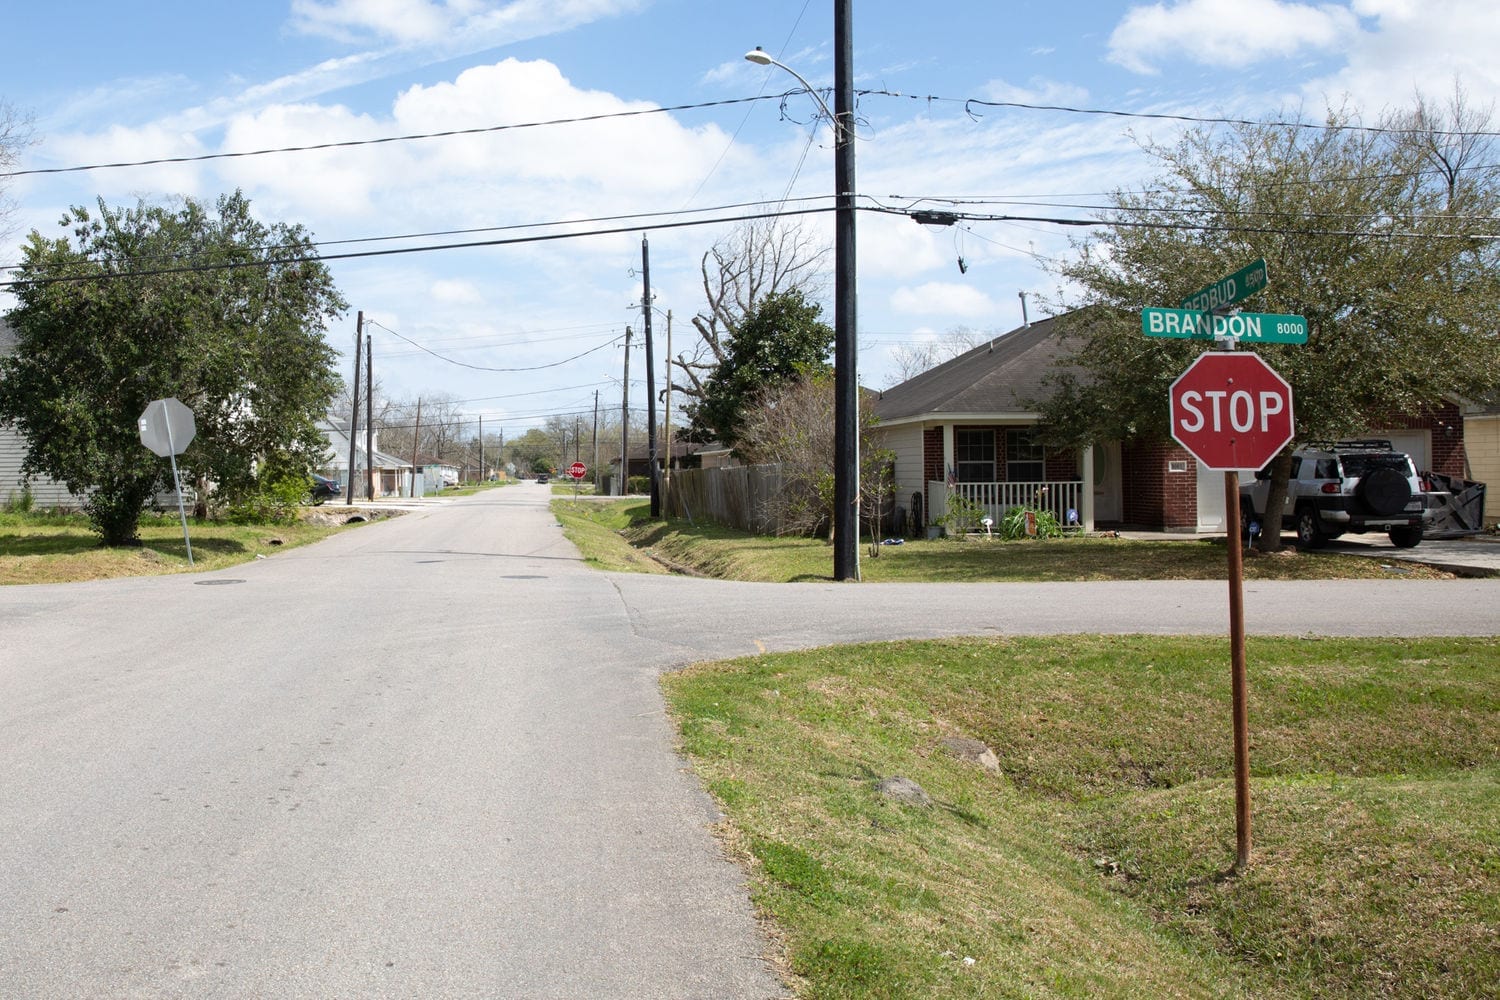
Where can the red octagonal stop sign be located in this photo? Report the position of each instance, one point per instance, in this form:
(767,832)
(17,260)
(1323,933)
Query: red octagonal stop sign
(1231,410)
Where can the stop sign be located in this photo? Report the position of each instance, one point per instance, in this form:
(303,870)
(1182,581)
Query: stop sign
(1231,410)
(167,426)
(576,470)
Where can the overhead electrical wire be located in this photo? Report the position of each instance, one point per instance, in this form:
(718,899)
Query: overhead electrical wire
(969,103)
(351,143)
(429,248)
(485,368)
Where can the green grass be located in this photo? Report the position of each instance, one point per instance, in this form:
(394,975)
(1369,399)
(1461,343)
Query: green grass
(42,547)
(1096,863)
(714,550)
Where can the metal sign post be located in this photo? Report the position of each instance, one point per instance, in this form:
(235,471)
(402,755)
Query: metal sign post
(167,428)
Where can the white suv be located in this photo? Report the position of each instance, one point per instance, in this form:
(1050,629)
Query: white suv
(1353,486)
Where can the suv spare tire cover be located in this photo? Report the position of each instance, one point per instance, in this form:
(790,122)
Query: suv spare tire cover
(1385,491)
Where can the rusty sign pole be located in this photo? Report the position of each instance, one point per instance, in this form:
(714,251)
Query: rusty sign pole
(1237,683)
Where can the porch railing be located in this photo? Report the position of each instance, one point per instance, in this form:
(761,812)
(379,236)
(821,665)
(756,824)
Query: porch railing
(1060,497)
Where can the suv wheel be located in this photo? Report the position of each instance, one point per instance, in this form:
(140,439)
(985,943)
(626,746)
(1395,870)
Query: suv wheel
(1407,536)
(1310,533)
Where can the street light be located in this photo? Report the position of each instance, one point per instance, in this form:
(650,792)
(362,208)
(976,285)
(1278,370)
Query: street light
(845,341)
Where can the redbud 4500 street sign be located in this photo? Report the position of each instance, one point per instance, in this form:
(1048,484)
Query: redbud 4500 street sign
(1231,410)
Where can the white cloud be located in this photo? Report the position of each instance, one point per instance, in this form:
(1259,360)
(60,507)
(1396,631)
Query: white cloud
(1231,33)
(1408,45)
(472,24)
(1037,91)
(462,293)
(944,298)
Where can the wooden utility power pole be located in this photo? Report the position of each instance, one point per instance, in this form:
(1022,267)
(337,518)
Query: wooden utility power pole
(359,333)
(625,419)
(646,308)
(369,420)
(416,436)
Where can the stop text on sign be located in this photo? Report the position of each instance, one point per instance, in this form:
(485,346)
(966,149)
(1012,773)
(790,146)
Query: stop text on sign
(1237,410)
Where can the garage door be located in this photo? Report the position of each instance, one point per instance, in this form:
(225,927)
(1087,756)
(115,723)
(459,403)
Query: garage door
(1417,444)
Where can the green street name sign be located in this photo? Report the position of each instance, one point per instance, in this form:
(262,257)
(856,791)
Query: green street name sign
(1256,328)
(1241,284)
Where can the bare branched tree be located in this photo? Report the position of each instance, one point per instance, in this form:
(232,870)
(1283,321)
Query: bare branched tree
(758,259)
(792,427)
(1454,141)
(911,360)
(15,135)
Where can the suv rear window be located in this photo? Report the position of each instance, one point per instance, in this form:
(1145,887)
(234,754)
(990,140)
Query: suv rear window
(1362,465)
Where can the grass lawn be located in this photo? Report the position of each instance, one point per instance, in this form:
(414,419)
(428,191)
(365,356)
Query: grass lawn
(617,534)
(51,548)
(1095,861)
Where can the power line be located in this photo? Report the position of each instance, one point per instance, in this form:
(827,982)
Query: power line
(351,143)
(304,259)
(633,216)
(969,104)
(484,368)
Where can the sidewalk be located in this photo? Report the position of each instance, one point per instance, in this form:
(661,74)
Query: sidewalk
(1471,555)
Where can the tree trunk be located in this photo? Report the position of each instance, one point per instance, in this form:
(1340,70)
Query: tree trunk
(1270,525)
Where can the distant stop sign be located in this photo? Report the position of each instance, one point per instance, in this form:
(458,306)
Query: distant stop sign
(1231,410)
(577,470)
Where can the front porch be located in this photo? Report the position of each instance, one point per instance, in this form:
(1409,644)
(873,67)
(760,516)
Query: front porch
(1066,500)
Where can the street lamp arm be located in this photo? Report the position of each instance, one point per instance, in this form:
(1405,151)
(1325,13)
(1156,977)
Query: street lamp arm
(761,57)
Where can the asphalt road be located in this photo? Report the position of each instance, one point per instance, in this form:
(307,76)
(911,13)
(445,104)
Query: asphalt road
(429,758)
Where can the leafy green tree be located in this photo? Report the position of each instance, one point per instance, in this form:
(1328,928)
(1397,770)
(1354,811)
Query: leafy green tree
(202,302)
(534,451)
(780,341)
(1382,238)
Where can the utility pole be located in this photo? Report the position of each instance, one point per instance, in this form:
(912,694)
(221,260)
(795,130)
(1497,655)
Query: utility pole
(359,333)
(369,419)
(651,467)
(595,466)
(625,419)
(666,486)
(416,435)
(482,476)
(846,341)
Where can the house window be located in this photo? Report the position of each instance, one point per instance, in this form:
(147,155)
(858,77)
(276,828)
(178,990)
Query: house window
(974,448)
(1025,457)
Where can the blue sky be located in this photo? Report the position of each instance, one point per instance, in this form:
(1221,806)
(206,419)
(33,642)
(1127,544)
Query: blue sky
(111,82)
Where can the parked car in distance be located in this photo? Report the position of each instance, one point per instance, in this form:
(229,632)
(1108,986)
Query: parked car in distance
(542,477)
(323,489)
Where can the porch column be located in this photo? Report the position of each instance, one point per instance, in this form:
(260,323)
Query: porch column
(948,461)
(1088,488)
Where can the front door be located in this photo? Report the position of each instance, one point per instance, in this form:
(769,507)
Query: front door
(1107,505)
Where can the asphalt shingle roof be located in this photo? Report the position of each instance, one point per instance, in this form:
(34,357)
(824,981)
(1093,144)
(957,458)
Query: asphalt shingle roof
(1002,376)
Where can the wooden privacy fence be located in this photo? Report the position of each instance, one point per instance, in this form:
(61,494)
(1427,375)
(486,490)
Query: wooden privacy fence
(733,496)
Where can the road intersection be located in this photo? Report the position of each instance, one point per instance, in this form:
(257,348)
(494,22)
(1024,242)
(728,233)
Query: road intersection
(429,757)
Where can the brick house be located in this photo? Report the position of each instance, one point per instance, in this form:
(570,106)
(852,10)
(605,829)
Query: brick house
(967,428)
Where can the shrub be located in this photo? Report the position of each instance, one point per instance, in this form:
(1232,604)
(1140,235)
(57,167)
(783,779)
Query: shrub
(21,503)
(964,515)
(1013,524)
(274,503)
